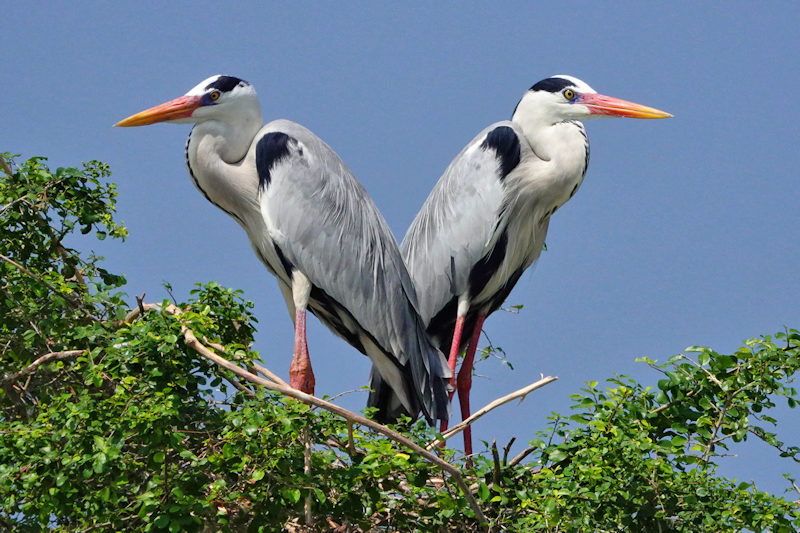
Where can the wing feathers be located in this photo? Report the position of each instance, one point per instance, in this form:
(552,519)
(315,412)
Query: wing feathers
(327,226)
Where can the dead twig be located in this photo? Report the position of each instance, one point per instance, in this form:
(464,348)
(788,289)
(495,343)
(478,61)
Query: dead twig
(521,455)
(506,449)
(521,393)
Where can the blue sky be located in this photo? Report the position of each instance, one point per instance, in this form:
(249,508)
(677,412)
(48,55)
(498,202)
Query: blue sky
(683,232)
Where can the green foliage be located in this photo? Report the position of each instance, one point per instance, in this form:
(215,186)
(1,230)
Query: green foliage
(56,291)
(639,459)
(127,428)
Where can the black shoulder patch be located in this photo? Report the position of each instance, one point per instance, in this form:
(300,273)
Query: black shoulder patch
(271,148)
(225,83)
(287,265)
(484,269)
(504,141)
(552,85)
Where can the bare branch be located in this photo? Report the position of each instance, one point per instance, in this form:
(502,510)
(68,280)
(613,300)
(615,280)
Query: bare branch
(521,455)
(192,341)
(46,358)
(28,272)
(269,374)
(521,393)
(71,299)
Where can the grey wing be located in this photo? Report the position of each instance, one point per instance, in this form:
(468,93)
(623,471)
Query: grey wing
(461,220)
(324,224)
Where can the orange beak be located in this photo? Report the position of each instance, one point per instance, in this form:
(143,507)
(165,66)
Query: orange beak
(599,104)
(181,107)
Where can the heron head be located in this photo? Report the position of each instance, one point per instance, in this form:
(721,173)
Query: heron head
(213,98)
(563,97)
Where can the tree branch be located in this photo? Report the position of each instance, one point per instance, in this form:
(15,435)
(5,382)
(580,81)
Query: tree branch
(192,342)
(521,393)
(46,358)
(521,455)
(69,298)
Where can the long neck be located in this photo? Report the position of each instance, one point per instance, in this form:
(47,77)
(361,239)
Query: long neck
(564,144)
(555,173)
(217,157)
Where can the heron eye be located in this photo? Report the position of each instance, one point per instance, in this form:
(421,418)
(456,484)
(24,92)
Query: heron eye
(214,96)
(569,94)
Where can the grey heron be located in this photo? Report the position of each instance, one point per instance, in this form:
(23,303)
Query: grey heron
(314,227)
(486,219)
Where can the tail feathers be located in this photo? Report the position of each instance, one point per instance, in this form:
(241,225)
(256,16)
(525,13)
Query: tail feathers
(381,395)
(426,380)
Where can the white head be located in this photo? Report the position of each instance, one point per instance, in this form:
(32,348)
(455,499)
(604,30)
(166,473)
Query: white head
(219,97)
(561,98)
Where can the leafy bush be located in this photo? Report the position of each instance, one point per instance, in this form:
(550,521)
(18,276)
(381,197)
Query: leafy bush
(110,420)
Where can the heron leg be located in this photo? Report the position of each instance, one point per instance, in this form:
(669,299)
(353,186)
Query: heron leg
(301,376)
(451,361)
(465,381)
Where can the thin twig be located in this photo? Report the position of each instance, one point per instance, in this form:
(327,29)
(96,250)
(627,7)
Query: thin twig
(720,420)
(670,404)
(711,376)
(521,393)
(241,387)
(29,273)
(521,455)
(506,449)
(345,392)
(69,298)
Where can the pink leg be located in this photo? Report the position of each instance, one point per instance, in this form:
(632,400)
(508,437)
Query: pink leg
(457,333)
(301,377)
(465,382)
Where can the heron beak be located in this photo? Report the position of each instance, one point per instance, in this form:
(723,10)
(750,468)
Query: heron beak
(181,107)
(599,104)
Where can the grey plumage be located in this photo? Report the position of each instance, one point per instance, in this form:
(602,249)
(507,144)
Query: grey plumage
(315,228)
(362,290)
(486,219)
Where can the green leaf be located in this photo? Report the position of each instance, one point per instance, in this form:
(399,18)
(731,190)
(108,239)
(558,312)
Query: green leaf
(483,491)
(291,495)
(557,455)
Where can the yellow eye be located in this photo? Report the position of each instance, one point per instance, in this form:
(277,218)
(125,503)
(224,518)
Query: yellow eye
(214,96)
(569,94)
